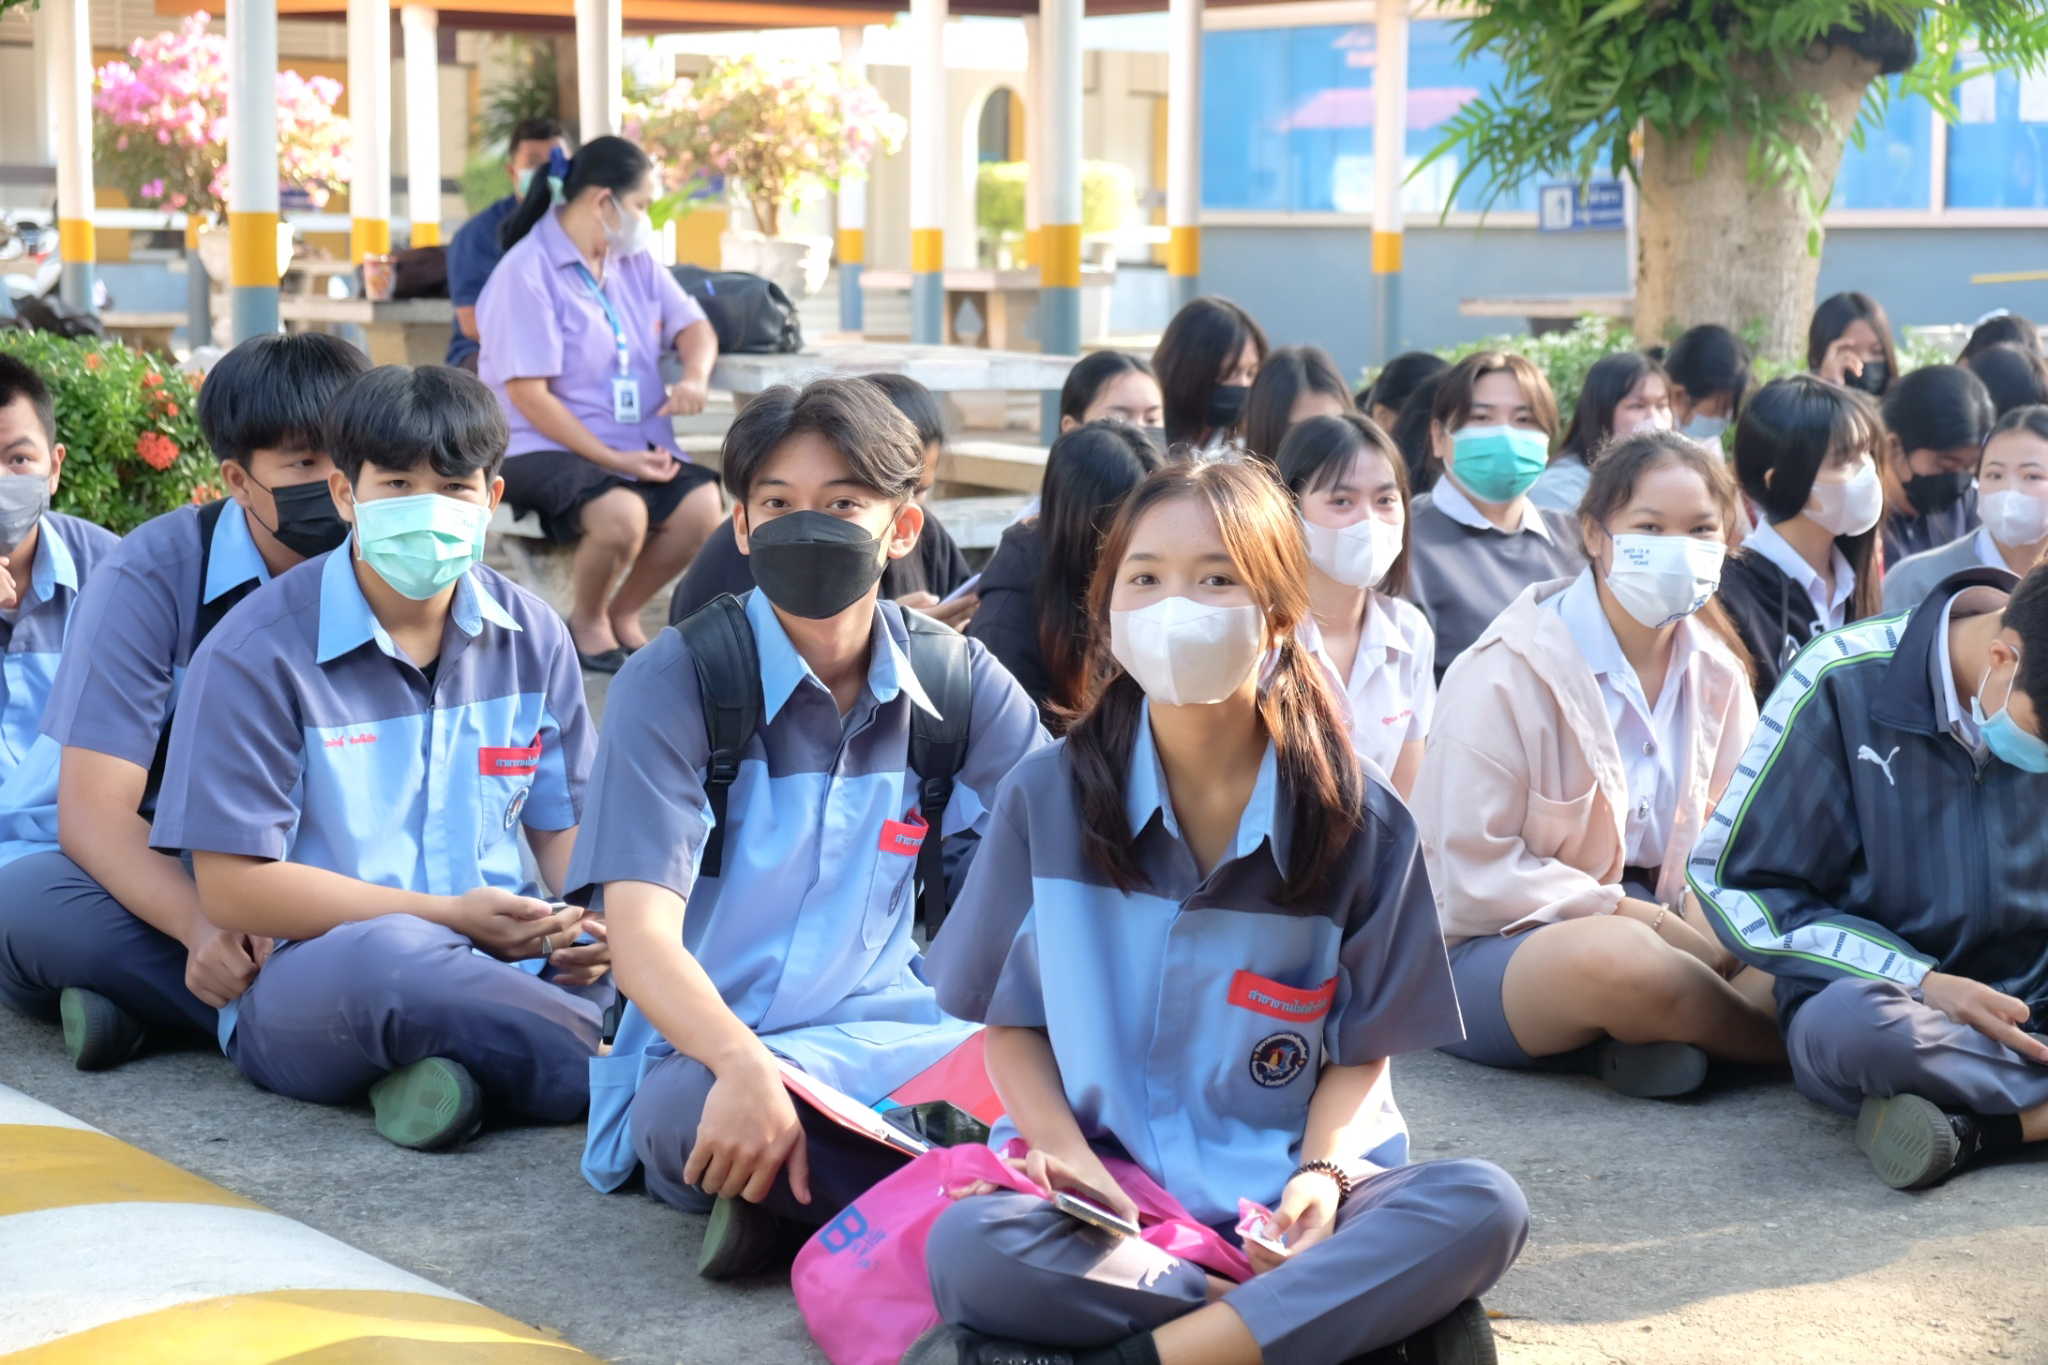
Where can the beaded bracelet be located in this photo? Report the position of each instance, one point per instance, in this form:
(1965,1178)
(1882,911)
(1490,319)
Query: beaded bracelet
(1332,1170)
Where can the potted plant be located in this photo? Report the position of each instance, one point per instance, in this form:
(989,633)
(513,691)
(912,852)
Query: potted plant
(774,132)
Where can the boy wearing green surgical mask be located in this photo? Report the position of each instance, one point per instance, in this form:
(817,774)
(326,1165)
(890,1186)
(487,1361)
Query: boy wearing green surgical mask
(1476,541)
(401,713)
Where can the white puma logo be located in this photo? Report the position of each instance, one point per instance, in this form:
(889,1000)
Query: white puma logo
(1869,755)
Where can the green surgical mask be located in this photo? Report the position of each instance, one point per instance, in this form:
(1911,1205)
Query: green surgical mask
(420,544)
(1498,464)
(524,181)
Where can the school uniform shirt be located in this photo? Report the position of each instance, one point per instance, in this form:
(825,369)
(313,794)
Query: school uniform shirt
(1907,583)
(806,932)
(131,640)
(1392,690)
(472,255)
(1829,605)
(936,566)
(1562,485)
(1778,602)
(68,551)
(540,319)
(1912,533)
(318,742)
(1191,1018)
(1463,570)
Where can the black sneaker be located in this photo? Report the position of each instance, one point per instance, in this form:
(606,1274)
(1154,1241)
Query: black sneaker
(741,1239)
(428,1106)
(98,1033)
(950,1345)
(1464,1337)
(1650,1071)
(1913,1143)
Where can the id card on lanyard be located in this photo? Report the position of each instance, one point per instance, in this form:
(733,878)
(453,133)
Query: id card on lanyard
(625,388)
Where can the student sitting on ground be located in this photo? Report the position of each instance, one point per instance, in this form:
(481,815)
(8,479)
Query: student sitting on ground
(1937,418)
(1351,488)
(1624,393)
(1880,852)
(95,927)
(1578,748)
(1034,613)
(1710,379)
(2012,488)
(358,748)
(1207,358)
(2014,376)
(1383,399)
(1112,386)
(923,580)
(1477,540)
(1295,383)
(1196,932)
(761,905)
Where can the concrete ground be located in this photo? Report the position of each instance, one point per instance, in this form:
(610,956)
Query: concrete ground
(1740,1227)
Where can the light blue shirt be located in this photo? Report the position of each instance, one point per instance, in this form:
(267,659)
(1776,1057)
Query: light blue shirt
(67,551)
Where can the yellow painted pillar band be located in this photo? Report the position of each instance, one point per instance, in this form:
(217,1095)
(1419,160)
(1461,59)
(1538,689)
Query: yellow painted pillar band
(426,234)
(1184,251)
(252,250)
(194,225)
(853,246)
(1061,266)
(927,250)
(368,237)
(1386,253)
(1032,247)
(75,240)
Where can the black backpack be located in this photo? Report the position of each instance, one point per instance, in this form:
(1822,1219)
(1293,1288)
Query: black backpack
(729,680)
(210,614)
(751,315)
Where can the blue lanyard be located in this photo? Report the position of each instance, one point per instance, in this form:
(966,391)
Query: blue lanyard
(611,315)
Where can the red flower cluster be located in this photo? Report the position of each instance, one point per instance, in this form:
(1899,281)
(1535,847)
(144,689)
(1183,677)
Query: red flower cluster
(156,450)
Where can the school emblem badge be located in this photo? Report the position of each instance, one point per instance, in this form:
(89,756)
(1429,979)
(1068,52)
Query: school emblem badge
(1278,1058)
(517,804)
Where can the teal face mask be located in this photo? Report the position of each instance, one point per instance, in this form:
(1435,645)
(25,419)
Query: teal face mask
(420,544)
(523,181)
(2003,735)
(1498,464)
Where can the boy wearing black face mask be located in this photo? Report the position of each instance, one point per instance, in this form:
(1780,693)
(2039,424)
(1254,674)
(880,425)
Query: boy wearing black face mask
(797,944)
(95,929)
(1938,417)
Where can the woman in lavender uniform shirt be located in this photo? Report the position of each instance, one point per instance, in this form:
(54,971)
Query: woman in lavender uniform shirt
(573,323)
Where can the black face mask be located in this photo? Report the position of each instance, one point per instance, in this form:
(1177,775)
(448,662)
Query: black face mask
(812,564)
(1157,436)
(1933,493)
(307,523)
(1873,378)
(1226,401)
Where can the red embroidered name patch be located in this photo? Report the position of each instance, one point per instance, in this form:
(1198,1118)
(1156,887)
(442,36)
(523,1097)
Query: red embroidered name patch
(509,762)
(905,835)
(1255,993)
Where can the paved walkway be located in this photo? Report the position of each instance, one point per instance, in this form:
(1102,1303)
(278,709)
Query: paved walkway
(1738,1228)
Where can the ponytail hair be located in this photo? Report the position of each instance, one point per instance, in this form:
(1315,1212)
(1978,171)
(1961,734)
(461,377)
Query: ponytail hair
(1320,778)
(605,163)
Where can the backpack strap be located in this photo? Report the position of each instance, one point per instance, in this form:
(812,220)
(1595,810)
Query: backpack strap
(728,668)
(209,615)
(938,745)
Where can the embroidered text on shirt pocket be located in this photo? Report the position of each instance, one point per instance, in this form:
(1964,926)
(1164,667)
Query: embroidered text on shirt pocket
(504,781)
(895,866)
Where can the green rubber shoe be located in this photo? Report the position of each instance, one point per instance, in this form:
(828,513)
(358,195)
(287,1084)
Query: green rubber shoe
(98,1033)
(741,1239)
(1911,1143)
(429,1106)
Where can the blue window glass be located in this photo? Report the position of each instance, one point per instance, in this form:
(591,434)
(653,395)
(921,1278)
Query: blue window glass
(1998,153)
(1896,163)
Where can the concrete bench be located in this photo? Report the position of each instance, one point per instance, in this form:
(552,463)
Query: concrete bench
(1550,312)
(978,523)
(1010,467)
(145,331)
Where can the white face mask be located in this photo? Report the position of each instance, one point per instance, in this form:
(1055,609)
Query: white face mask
(1706,430)
(1186,654)
(2013,517)
(1358,555)
(1849,509)
(1661,579)
(633,235)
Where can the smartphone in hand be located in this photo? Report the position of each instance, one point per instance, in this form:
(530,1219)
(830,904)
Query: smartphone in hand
(1093,1214)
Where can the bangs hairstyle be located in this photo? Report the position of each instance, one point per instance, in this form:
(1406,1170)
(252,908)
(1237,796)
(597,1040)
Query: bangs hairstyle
(1288,373)
(2026,615)
(1938,407)
(1088,473)
(1093,373)
(1203,339)
(1613,484)
(1612,378)
(1319,453)
(1790,429)
(18,380)
(916,402)
(1832,319)
(403,416)
(1709,359)
(878,443)
(1453,406)
(2014,376)
(271,393)
(2006,329)
(1320,779)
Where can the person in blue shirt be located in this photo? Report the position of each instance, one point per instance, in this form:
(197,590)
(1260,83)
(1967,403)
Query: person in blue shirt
(396,715)
(95,928)
(475,250)
(800,948)
(1196,931)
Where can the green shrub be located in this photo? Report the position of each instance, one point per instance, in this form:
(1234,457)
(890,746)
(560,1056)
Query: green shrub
(484,183)
(130,429)
(1108,194)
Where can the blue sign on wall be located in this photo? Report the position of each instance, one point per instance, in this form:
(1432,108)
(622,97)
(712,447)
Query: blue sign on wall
(1596,207)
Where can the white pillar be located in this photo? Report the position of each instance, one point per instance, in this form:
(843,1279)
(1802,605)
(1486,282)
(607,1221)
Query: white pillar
(928,128)
(71,93)
(421,26)
(1034,136)
(1183,151)
(1059,271)
(43,49)
(600,67)
(252,158)
(852,206)
(1389,159)
(369,116)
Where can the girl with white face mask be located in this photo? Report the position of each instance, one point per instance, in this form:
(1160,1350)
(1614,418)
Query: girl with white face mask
(1805,453)
(1351,488)
(2012,500)
(1579,746)
(1198,892)
(1624,393)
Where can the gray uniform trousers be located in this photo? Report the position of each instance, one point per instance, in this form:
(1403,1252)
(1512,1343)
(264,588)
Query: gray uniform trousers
(1411,1244)
(327,1016)
(59,928)
(1858,1038)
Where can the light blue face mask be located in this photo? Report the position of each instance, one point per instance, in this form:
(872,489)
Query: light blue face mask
(523,181)
(2003,735)
(1704,429)
(420,544)
(1498,464)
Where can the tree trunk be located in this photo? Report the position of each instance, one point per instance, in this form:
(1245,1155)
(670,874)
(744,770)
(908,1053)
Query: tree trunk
(1714,246)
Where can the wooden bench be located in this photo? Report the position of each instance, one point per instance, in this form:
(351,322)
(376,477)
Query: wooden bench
(403,332)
